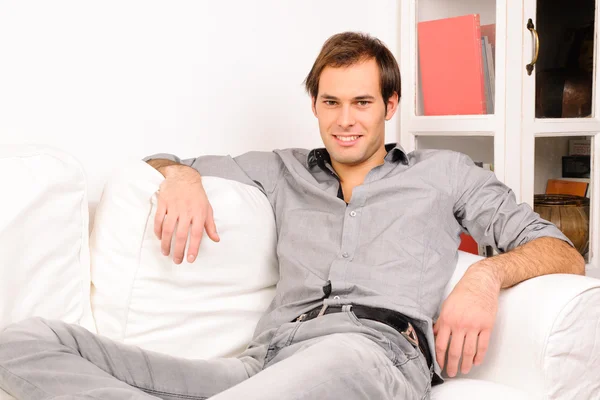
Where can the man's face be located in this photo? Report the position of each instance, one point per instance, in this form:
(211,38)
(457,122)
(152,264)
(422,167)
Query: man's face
(352,113)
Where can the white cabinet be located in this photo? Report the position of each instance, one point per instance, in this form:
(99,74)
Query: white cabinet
(526,135)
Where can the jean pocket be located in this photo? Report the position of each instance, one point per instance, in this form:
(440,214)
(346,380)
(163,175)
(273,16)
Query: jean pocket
(413,362)
(281,338)
(368,328)
(275,344)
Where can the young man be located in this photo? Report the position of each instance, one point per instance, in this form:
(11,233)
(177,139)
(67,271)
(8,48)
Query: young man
(368,239)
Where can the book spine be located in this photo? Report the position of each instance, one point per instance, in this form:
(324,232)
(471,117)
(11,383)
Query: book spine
(481,79)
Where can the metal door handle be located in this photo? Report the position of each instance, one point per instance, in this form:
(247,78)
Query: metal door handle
(529,66)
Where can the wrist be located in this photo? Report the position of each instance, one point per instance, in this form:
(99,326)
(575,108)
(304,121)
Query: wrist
(181,173)
(489,269)
(161,164)
(169,170)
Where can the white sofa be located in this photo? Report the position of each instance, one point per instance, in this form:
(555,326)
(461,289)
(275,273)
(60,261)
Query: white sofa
(545,344)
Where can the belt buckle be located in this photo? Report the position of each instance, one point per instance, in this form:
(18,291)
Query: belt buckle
(411,335)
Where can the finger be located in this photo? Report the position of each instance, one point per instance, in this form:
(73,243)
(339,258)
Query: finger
(167,233)
(195,239)
(469,351)
(441,344)
(454,353)
(482,346)
(209,225)
(159,217)
(181,236)
(436,328)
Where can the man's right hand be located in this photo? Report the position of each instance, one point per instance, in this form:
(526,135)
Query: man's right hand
(182,207)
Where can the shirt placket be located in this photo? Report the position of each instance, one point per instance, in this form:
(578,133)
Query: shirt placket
(340,287)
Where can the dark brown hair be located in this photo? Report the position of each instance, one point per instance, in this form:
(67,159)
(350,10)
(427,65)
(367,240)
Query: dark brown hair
(349,48)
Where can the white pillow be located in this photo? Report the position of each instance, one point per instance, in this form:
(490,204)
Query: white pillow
(44,253)
(201,310)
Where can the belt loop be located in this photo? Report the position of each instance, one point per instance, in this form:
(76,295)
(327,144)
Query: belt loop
(322,310)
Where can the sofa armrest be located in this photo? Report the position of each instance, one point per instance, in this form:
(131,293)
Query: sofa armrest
(545,338)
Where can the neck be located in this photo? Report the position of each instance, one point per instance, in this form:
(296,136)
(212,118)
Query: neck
(352,175)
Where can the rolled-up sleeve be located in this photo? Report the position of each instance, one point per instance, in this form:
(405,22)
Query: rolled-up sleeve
(488,210)
(256,168)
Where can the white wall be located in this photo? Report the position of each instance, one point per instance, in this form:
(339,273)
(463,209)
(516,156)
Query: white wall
(436,9)
(479,148)
(115,80)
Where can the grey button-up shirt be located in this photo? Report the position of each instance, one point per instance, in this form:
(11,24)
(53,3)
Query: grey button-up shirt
(394,245)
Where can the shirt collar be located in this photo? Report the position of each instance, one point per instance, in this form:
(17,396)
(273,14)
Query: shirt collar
(321,157)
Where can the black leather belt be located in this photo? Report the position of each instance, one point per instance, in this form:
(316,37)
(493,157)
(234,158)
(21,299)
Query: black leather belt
(391,318)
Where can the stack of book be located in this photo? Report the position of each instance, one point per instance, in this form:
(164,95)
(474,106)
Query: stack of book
(456,65)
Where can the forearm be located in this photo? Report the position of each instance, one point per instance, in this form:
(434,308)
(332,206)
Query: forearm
(541,256)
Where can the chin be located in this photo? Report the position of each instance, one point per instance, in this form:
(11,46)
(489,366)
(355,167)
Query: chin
(347,159)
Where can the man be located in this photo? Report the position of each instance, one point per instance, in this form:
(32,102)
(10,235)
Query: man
(367,240)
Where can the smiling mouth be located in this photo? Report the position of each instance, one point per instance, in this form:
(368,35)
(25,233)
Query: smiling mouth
(347,138)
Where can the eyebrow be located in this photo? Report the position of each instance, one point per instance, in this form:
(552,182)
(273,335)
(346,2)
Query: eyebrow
(357,98)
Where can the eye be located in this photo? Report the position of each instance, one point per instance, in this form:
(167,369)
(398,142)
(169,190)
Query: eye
(330,102)
(363,103)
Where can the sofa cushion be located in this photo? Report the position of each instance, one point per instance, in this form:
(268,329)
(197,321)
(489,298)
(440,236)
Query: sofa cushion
(205,309)
(44,257)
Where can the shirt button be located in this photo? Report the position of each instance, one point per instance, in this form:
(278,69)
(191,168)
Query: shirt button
(353,213)
(345,255)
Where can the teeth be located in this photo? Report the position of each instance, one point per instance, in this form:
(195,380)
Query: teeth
(347,138)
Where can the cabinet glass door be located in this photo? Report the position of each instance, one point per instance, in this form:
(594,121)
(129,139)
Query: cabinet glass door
(563,40)
(560,146)
(563,187)
(456,57)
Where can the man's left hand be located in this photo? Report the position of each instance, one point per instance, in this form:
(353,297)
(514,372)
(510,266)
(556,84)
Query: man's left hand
(467,318)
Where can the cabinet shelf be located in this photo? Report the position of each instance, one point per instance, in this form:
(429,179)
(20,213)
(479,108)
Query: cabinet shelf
(458,125)
(565,127)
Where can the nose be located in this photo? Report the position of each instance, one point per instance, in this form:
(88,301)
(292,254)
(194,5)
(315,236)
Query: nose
(346,117)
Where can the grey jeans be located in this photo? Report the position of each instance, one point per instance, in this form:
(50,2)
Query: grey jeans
(335,356)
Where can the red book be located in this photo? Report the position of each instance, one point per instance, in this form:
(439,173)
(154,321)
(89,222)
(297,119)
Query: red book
(468,244)
(451,66)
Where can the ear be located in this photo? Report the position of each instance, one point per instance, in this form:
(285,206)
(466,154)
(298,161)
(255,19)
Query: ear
(313,103)
(392,106)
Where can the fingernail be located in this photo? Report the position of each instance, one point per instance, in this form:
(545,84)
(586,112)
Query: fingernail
(191,258)
(165,253)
